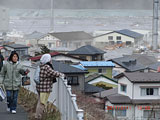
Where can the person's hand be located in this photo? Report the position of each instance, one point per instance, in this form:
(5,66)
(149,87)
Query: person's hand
(62,75)
(27,71)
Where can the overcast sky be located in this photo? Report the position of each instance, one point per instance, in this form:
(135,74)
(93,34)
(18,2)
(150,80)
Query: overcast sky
(79,4)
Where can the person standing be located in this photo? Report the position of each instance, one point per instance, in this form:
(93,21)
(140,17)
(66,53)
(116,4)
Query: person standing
(11,74)
(44,88)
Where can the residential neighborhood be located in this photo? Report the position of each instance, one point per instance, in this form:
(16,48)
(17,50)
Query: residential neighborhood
(102,64)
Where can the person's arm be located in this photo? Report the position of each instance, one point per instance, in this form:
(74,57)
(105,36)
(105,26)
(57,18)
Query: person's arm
(52,73)
(3,73)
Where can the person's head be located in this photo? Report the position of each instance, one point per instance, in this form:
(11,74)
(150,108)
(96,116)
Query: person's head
(45,58)
(14,57)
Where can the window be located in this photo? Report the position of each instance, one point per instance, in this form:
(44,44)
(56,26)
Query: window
(111,42)
(73,80)
(102,70)
(121,113)
(119,42)
(118,37)
(49,45)
(99,70)
(151,114)
(110,37)
(123,88)
(149,91)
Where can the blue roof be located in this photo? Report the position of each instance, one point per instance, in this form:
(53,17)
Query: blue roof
(79,67)
(97,63)
(130,33)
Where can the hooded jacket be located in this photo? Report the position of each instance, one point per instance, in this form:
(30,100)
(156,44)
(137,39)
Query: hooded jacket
(11,75)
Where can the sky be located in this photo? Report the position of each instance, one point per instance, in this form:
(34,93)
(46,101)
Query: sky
(79,4)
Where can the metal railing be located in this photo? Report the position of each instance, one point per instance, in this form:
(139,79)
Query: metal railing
(61,97)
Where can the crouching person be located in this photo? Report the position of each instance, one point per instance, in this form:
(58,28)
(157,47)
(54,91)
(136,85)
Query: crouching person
(44,87)
(11,78)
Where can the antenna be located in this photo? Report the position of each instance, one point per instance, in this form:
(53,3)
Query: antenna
(155,25)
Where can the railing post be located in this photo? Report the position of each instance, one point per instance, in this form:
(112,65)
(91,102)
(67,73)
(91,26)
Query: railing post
(80,114)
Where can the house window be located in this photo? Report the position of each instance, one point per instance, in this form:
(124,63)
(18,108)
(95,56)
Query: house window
(120,113)
(123,88)
(73,80)
(49,45)
(110,37)
(111,42)
(102,70)
(99,70)
(148,114)
(149,91)
(118,37)
(119,42)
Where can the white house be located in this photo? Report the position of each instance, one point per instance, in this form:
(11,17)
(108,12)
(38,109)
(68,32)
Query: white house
(127,37)
(137,96)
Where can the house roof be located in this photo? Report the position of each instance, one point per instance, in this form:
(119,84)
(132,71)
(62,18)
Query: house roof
(130,33)
(92,89)
(97,75)
(36,58)
(105,93)
(70,36)
(141,77)
(17,46)
(119,99)
(126,32)
(65,68)
(97,64)
(34,35)
(154,66)
(134,62)
(87,50)
(79,67)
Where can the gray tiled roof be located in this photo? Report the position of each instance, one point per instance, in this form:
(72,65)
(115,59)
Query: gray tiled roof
(87,50)
(119,99)
(142,77)
(154,66)
(34,35)
(135,62)
(17,46)
(106,93)
(130,33)
(65,68)
(69,36)
(92,89)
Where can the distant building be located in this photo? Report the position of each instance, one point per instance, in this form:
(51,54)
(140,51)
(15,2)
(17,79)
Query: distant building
(4,19)
(89,53)
(127,37)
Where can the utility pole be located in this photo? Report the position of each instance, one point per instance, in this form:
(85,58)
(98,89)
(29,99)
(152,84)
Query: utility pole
(52,17)
(155,25)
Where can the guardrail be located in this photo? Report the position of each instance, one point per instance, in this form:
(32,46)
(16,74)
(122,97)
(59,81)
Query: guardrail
(61,97)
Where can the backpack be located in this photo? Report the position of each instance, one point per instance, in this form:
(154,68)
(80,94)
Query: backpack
(36,75)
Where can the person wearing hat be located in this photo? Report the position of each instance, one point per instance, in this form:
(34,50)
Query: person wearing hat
(44,88)
(11,78)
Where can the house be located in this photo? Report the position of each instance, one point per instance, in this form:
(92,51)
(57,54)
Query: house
(125,36)
(31,39)
(88,52)
(22,50)
(133,63)
(104,67)
(97,79)
(73,39)
(75,77)
(60,57)
(137,96)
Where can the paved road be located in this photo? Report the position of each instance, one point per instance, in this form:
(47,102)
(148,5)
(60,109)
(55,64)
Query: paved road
(4,115)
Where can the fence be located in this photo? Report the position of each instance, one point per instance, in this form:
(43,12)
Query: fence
(61,97)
